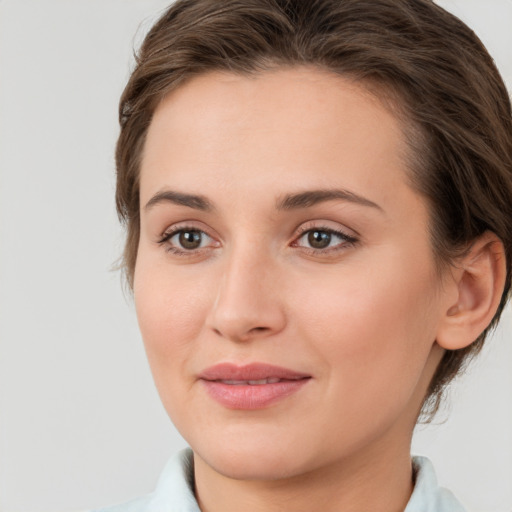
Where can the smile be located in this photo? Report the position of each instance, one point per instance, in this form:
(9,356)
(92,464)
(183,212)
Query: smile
(253,386)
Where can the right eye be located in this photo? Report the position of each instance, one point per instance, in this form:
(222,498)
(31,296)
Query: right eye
(185,241)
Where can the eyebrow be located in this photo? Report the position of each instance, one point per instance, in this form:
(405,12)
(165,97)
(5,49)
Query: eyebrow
(295,201)
(170,196)
(312,197)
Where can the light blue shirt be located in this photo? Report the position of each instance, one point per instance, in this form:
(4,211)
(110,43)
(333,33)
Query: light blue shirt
(174,491)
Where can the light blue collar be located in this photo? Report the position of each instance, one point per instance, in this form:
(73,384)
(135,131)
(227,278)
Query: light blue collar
(427,495)
(175,490)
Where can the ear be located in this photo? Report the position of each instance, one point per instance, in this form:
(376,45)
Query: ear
(477,284)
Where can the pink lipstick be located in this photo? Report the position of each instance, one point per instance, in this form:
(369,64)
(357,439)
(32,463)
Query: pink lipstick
(252,386)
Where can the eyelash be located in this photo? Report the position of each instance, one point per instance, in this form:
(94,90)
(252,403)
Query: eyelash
(167,237)
(346,240)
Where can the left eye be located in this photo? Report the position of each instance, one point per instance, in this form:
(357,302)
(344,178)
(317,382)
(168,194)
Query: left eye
(322,239)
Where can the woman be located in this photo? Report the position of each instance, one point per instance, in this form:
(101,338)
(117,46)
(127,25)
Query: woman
(319,230)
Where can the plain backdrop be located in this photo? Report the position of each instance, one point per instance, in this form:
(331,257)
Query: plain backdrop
(81,424)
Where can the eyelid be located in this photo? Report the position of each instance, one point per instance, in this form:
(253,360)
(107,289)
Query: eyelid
(190,225)
(347,238)
(325,225)
(174,229)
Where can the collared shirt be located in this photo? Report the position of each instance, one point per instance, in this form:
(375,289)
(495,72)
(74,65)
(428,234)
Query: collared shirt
(174,492)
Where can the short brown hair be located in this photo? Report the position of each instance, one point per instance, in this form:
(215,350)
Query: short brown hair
(434,69)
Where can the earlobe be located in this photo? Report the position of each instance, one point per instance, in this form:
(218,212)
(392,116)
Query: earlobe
(478,282)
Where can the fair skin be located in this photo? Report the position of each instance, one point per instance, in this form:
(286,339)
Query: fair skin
(356,307)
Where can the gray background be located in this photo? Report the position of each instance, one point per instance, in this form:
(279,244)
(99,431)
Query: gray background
(80,421)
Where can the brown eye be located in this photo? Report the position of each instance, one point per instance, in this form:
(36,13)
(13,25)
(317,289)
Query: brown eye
(319,239)
(324,240)
(190,240)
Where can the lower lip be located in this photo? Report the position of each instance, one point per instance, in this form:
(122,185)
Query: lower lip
(252,396)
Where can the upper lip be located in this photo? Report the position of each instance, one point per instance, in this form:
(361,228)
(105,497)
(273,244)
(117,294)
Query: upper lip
(253,371)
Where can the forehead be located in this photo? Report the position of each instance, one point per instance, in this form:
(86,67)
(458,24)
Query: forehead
(272,100)
(294,125)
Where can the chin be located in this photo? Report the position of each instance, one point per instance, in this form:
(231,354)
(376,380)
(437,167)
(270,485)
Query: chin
(254,467)
(252,460)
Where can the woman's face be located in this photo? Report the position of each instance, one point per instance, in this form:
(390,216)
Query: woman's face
(278,228)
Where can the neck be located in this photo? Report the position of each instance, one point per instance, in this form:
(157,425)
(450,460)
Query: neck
(380,479)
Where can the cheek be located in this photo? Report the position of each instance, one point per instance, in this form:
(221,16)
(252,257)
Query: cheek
(373,327)
(171,310)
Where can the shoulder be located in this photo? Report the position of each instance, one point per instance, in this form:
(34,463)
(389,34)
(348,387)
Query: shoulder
(427,495)
(174,490)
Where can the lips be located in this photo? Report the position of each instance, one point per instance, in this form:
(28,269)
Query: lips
(250,372)
(259,382)
(252,386)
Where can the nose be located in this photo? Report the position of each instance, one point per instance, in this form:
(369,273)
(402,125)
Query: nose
(248,303)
